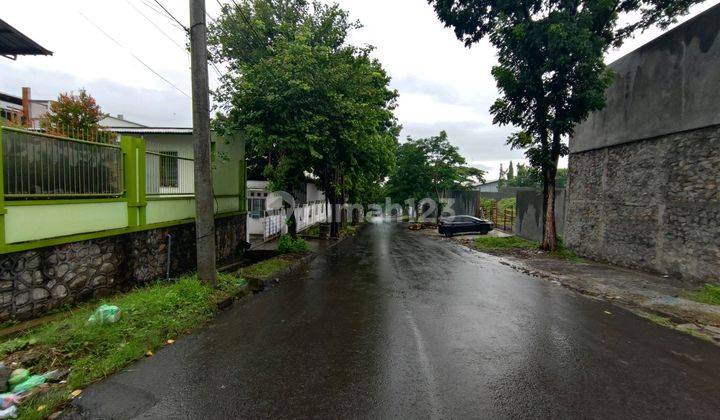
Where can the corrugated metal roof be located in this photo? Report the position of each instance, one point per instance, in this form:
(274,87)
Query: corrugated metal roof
(14,43)
(150,130)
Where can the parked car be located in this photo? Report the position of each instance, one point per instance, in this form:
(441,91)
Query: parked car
(452,225)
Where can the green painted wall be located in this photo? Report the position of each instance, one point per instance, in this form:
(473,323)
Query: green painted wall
(158,211)
(27,223)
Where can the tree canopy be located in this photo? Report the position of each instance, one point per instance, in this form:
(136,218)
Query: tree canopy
(428,167)
(551,72)
(307,101)
(76,115)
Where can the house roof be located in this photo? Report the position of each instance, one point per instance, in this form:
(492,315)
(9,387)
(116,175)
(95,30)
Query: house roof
(14,43)
(151,130)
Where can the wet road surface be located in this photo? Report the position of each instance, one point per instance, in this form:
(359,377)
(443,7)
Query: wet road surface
(397,324)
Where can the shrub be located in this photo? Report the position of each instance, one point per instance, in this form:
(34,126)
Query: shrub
(286,245)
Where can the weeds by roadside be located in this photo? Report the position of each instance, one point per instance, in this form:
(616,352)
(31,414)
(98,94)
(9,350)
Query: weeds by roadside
(150,316)
(520,247)
(266,268)
(709,294)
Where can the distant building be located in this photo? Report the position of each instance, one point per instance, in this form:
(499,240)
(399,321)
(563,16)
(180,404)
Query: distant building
(23,110)
(493,186)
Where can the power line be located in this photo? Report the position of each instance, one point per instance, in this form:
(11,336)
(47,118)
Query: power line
(171,15)
(157,27)
(254,33)
(133,55)
(161,13)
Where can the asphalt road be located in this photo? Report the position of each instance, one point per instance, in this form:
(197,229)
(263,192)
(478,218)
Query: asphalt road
(397,324)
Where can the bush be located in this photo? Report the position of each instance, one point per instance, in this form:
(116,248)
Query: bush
(286,245)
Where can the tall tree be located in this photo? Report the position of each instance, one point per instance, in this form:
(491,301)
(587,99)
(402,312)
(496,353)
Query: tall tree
(551,72)
(428,167)
(306,100)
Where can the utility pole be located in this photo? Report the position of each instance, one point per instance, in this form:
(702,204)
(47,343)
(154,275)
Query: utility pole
(204,209)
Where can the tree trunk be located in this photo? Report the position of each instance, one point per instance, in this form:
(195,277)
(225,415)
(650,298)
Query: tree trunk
(292,224)
(549,242)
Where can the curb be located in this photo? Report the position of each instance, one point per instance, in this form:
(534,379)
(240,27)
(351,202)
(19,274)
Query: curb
(675,321)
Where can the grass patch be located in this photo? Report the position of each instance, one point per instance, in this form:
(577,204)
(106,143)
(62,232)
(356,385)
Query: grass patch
(515,243)
(709,294)
(150,316)
(491,243)
(266,268)
(657,319)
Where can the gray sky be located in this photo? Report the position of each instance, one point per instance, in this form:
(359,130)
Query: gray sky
(442,84)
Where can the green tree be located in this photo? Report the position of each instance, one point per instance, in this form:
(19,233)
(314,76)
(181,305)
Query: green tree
(551,72)
(510,172)
(308,102)
(76,115)
(411,178)
(428,168)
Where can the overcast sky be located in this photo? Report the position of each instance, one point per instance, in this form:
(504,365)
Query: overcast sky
(442,84)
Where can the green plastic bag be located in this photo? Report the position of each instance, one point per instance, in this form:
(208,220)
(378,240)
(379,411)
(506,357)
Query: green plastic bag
(18,376)
(105,314)
(29,384)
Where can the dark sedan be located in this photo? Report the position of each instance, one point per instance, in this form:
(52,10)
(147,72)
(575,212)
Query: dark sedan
(449,226)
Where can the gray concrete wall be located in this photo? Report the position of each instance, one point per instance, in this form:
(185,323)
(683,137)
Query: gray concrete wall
(530,219)
(644,173)
(669,85)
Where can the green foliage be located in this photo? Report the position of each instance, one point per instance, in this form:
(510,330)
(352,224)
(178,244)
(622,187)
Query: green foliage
(427,167)
(709,294)
(551,72)
(510,243)
(265,268)
(528,176)
(288,245)
(506,203)
(490,243)
(150,315)
(306,100)
(77,116)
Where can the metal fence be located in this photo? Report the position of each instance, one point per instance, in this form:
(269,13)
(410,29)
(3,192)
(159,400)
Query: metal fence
(166,173)
(37,165)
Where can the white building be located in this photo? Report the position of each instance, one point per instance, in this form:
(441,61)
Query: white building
(266,215)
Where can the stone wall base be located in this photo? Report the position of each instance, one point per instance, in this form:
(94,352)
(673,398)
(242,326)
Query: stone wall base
(652,204)
(33,282)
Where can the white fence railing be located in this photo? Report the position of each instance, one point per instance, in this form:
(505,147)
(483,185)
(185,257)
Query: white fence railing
(306,216)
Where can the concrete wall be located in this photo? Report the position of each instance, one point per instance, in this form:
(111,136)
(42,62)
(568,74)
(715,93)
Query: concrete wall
(530,219)
(644,173)
(669,85)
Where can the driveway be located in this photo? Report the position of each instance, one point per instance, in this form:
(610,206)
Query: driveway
(396,324)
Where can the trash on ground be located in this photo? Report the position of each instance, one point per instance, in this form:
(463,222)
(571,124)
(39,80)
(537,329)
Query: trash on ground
(148,353)
(75,393)
(608,312)
(18,376)
(29,384)
(170,341)
(7,400)
(9,413)
(4,376)
(105,314)
(56,375)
